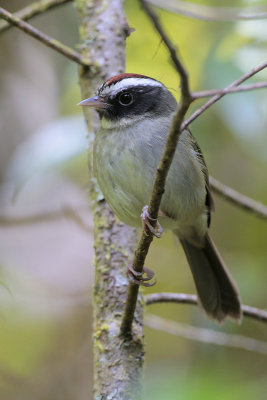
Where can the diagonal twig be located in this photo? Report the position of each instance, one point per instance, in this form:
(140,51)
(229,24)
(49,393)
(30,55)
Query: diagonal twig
(209,13)
(217,97)
(66,212)
(162,171)
(182,298)
(32,10)
(178,125)
(242,201)
(204,335)
(45,39)
(238,89)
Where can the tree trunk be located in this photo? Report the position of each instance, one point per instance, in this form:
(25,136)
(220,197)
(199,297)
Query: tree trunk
(117,362)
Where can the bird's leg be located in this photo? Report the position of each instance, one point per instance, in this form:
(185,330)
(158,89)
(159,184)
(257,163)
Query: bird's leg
(158,230)
(139,279)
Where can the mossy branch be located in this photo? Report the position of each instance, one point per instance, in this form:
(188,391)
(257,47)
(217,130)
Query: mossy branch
(117,362)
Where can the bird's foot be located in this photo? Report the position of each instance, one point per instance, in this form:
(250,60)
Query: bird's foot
(145,216)
(138,277)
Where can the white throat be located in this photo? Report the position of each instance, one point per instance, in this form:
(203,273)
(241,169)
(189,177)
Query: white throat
(121,122)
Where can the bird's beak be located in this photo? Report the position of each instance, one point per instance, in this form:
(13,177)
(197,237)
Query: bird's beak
(95,102)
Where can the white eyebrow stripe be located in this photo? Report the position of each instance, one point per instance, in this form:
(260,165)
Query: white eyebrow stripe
(130,82)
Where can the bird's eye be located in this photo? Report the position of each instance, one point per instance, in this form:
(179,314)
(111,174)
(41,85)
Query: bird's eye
(126,99)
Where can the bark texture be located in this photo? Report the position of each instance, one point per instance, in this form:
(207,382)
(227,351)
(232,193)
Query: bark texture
(118,361)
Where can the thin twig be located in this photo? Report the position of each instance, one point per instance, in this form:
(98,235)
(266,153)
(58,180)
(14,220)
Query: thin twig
(208,13)
(226,192)
(42,37)
(172,50)
(240,200)
(162,171)
(217,97)
(32,10)
(182,298)
(66,212)
(205,335)
(243,88)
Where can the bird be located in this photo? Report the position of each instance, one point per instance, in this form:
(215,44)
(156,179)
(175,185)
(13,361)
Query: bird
(136,112)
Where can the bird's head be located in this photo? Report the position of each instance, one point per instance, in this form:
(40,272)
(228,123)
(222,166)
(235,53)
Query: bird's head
(127,98)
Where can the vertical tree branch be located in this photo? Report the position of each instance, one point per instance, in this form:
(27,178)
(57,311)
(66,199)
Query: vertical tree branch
(117,362)
(162,170)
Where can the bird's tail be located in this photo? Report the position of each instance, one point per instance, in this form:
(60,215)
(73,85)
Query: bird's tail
(216,289)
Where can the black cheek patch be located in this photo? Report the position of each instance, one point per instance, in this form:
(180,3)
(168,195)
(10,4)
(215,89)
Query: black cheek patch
(145,99)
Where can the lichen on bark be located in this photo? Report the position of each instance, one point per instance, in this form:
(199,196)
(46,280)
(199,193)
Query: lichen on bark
(117,361)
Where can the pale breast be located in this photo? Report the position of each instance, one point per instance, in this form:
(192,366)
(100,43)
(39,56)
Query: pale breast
(125,164)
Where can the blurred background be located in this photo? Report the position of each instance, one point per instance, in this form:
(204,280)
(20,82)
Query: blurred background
(46,249)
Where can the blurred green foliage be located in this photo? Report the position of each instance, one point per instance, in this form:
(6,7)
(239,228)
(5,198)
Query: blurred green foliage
(45,333)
